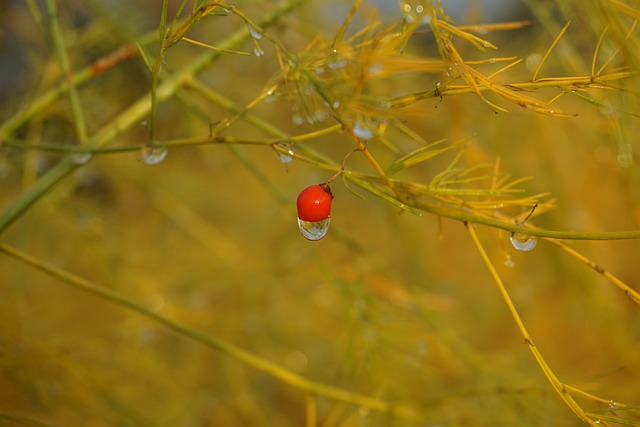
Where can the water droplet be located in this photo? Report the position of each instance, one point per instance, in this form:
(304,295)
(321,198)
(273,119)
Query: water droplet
(407,12)
(82,157)
(152,155)
(288,156)
(297,119)
(285,158)
(508,262)
(411,13)
(522,242)
(257,50)
(320,115)
(338,64)
(376,68)
(613,405)
(336,61)
(272,95)
(362,131)
(314,230)
(255,33)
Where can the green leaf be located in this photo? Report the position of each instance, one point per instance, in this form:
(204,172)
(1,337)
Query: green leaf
(420,155)
(378,192)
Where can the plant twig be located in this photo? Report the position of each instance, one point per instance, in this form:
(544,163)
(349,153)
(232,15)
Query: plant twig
(244,356)
(61,52)
(553,380)
(129,117)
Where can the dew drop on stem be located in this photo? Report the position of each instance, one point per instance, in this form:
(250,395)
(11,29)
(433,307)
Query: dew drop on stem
(362,131)
(336,60)
(522,242)
(82,157)
(257,50)
(152,155)
(255,33)
(412,12)
(288,156)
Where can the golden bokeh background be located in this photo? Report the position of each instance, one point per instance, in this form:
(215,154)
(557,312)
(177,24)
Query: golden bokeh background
(389,305)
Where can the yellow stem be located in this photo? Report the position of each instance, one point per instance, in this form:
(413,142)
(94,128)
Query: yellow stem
(238,353)
(555,382)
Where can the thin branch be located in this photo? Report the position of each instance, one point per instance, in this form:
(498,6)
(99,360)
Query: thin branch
(244,356)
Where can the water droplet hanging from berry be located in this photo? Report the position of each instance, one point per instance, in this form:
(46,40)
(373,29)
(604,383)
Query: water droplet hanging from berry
(314,209)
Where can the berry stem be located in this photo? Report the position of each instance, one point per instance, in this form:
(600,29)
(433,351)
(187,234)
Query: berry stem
(341,169)
(361,146)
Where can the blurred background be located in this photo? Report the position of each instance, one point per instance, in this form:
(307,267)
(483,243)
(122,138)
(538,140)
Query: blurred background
(389,304)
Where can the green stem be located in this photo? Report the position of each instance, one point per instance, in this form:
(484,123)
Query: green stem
(132,115)
(225,347)
(77,79)
(456,214)
(61,52)
(465,216)
(557,385)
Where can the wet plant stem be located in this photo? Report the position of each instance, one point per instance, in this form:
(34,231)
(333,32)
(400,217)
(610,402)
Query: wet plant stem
(129,117)
(553,380)
(311,156)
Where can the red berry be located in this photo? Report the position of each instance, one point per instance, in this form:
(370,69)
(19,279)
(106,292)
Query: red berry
(314,203)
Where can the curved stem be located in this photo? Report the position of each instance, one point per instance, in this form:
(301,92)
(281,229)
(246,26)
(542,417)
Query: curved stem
(553,380)
(631,293)
(244,356)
